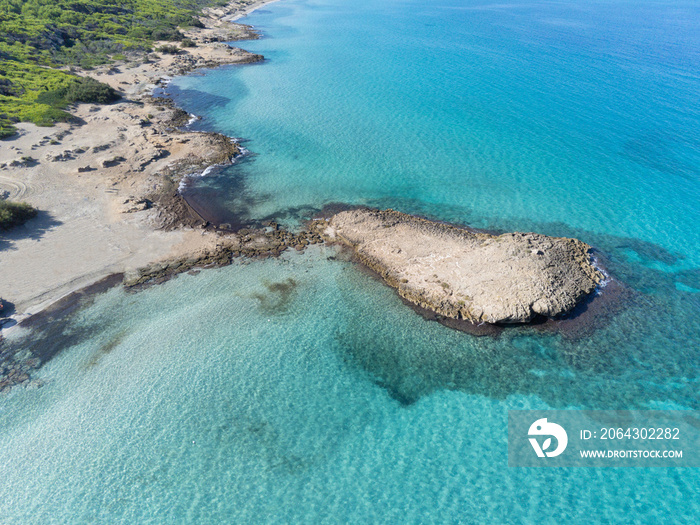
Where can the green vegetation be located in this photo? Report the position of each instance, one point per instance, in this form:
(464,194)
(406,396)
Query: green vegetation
(82,89)
(168,49)
(38,36)
(15,213)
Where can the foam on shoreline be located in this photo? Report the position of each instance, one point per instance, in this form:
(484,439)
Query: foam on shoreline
(607,278)
(189,178)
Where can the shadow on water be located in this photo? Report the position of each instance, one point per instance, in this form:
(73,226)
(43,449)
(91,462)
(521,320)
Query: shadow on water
(220,197)
(6,308)
(190,96)
(230,90)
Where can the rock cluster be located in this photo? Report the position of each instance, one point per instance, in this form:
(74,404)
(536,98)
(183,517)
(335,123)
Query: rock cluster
(112,161)
(15,368)
(270,242)
(185,63)
(462,274)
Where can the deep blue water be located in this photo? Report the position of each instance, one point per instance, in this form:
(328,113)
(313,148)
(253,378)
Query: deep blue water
(302,389)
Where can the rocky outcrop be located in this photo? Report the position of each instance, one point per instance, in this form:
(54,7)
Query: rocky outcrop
(268,242)
(462,274)
(185,63)
(112,161)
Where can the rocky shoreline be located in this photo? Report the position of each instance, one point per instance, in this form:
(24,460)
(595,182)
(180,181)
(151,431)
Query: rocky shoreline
(251,243)
(445,306)
(467,275)
(123,163)
(149,153)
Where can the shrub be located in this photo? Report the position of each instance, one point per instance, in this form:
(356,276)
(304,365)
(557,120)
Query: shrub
(6,130)
(82,89)
(166,33)
(187,42)
(15,213)
(90,90)
(168,49)
(37,36)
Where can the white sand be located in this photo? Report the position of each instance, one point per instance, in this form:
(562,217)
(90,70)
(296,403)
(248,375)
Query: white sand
(84,232)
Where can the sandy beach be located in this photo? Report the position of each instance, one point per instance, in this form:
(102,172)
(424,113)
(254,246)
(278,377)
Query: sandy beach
(106,185)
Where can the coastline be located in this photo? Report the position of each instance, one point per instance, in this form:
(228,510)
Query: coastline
(109,190)
(242,12)
(344,382)
(107,184)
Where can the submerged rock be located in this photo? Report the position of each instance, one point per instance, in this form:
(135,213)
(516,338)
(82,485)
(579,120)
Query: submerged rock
(461,274)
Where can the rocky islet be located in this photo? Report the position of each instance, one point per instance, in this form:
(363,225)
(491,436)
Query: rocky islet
(464,274)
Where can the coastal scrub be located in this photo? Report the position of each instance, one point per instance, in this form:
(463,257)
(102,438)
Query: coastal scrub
(39,36)
(15,214)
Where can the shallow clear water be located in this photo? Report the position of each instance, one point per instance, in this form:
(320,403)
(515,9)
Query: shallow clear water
(508,116)
(303,389)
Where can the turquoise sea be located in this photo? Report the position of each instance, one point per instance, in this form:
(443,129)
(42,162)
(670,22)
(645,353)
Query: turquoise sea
(302,390)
